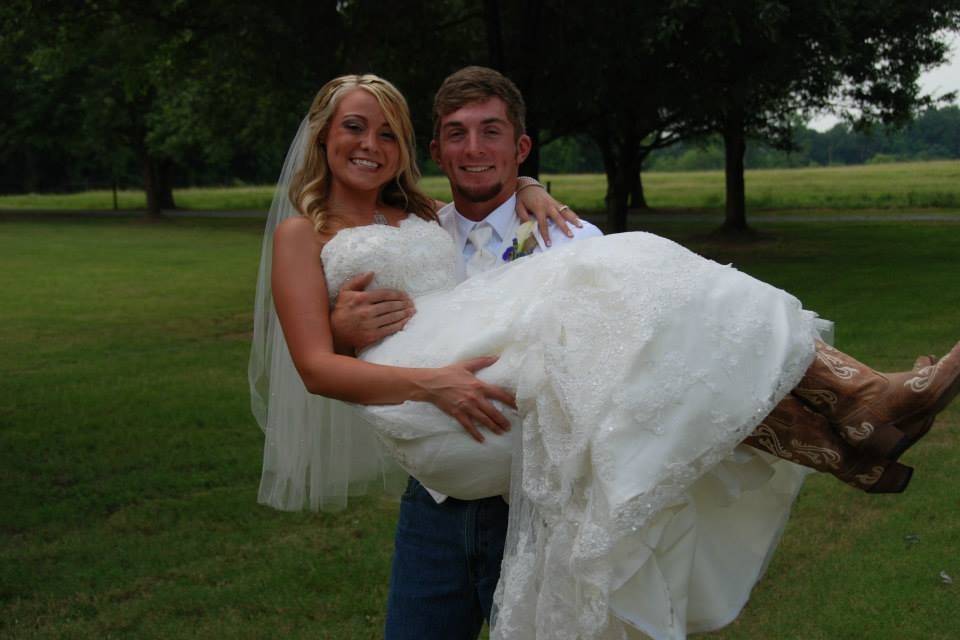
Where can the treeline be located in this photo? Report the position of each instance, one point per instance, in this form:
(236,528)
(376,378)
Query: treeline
(164,93)
(933,135)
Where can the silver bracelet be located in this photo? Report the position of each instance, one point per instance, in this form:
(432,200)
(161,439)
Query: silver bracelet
(527,181)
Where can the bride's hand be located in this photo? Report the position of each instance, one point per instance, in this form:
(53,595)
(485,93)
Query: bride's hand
(459,393)
(533,198)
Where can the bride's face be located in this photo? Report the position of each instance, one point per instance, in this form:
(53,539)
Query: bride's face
(363,153)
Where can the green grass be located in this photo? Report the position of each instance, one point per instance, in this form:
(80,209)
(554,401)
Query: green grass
(880,187)
(129,460)
(926,184)
(884,187)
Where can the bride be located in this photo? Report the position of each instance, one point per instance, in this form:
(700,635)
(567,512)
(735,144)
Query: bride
(629,368)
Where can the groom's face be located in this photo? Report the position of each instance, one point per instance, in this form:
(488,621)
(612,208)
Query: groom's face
(479,151)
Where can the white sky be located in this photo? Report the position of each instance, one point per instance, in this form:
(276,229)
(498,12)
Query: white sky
(937,81)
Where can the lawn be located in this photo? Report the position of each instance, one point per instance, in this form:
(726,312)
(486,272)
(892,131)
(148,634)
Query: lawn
(881,187)
(129,460)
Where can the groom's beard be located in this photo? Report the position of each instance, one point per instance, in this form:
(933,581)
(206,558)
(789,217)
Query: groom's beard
(479,194)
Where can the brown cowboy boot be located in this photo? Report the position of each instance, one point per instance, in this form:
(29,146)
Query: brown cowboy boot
(873,411)
(795,433)
(915,429)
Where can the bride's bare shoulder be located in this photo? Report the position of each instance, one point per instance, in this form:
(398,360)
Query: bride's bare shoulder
(295,226)
(298,233)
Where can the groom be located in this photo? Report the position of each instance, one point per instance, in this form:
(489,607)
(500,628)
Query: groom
(447,553)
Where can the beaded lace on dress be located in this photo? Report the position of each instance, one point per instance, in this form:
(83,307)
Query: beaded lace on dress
(416,257)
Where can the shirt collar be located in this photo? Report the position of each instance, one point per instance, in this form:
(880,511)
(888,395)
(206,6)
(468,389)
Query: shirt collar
(500,219)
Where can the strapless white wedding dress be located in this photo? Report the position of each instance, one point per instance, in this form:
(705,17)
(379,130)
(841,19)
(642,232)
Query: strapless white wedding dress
(638,367)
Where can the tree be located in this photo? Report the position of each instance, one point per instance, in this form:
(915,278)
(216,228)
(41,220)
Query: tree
(611,86)
(108,62)
(169,82)
(757,63)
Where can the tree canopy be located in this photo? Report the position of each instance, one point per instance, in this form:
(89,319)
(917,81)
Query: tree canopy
(163,92)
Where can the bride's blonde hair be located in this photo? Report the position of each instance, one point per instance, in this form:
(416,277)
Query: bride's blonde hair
(310,187)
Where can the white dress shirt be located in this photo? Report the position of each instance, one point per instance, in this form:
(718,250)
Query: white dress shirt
(504,222)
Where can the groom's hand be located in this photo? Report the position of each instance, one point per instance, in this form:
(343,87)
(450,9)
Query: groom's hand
(361,318)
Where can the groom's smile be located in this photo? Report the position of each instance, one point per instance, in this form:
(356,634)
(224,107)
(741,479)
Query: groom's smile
(479,151)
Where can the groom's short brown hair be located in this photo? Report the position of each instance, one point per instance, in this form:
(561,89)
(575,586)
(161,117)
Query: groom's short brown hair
(476,84)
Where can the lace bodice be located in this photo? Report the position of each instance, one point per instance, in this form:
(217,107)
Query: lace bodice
(417,257)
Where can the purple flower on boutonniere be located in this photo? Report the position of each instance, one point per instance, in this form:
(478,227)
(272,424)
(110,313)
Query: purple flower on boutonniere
(523,243)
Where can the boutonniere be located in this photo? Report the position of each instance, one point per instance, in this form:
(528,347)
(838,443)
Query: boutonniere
(523,243)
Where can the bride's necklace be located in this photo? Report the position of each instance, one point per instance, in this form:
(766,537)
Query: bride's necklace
(341,213)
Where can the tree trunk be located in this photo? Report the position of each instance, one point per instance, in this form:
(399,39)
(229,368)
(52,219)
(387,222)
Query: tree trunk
(638,200)
(165,184)
(151,185)
(616,200)
(621,172)
(531,166)
(491,17)
(734,142)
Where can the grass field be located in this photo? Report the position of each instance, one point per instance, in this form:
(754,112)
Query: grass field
(129,460)
(877,187)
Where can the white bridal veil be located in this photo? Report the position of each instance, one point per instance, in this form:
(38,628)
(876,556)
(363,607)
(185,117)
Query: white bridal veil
(317,451)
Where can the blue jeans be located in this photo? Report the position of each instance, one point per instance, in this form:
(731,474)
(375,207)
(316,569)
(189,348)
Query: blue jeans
(446,564)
